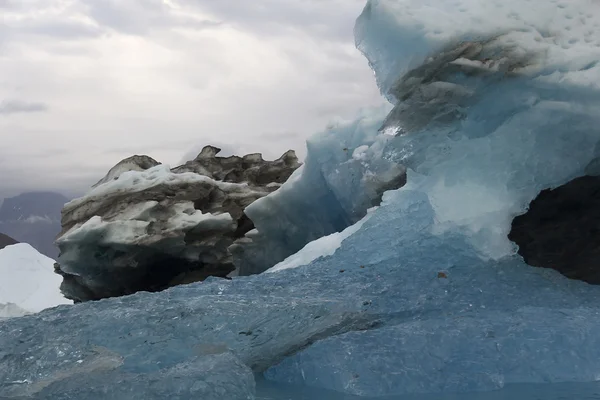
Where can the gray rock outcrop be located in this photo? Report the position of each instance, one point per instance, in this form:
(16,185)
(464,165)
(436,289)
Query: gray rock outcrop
(133,163)
(145,227)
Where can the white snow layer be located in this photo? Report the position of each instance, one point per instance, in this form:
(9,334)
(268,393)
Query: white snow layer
(137,181)
(28,283)
(132,225)
(560,40)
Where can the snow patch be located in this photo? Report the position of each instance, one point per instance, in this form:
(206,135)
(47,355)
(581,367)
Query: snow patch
(137,181)
(28,283)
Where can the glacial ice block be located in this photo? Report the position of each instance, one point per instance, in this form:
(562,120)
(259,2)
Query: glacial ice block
(492,103)
(448,320)
(344,176)
(145,226)
(28,283)
(553,41)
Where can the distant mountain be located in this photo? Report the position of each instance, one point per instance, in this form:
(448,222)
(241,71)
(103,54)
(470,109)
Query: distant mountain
(6,241)
(33,218)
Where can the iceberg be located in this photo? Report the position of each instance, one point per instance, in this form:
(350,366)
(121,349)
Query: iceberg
(28,283)
(147,227)
(491,105)
(345,175)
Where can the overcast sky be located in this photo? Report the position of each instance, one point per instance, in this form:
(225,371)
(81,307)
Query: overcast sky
(86,83)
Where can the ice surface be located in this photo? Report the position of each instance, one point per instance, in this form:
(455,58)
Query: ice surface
(137,181)
(490,111)
(560,40)
(146,227)
(214,377)
(344,175)
(28,283)
(146,337)
(493,103)
(325,246)
(133,163)
(589,391)
(380,323)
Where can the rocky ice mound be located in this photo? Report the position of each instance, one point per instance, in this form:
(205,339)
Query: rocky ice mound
(28,283)
(147,227)
(493,103)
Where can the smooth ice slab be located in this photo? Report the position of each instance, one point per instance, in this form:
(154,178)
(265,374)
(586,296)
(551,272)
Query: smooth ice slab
(212,377)
(399,320)
(159,337)
(591,391)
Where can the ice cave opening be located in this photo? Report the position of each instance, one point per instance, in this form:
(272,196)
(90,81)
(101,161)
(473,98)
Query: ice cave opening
(561,230)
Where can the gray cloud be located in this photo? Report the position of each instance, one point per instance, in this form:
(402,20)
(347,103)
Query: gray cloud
(16,106)
(139,17)
(44,18)
(283,136)
(9,4)
(59,28)
(327,19)
(166,77)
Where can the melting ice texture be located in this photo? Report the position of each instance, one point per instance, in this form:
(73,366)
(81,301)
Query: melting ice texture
(493,102)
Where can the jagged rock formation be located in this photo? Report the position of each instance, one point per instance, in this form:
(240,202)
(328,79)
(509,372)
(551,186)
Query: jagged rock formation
(344,184)
(561,230)
(133,163)
(6,241)
(250,168)
(145,227)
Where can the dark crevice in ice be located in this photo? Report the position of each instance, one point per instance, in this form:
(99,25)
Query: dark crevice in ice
(561,230)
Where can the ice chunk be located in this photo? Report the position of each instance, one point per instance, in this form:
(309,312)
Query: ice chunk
(148,227)
(427,294)
(398,308)
(486,117)
(555,42)
(333,190)
(494,102)
(28,283)
(133,163)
